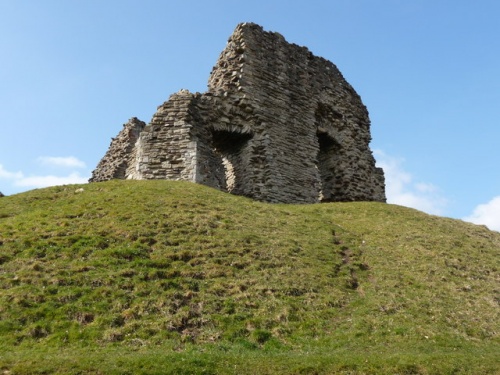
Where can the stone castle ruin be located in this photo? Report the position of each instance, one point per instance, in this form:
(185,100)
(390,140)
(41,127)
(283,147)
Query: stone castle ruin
(277,124)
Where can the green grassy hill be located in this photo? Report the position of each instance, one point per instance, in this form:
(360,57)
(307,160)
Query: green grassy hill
(172,277)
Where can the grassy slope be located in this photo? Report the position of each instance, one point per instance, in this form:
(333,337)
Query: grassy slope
(171,276)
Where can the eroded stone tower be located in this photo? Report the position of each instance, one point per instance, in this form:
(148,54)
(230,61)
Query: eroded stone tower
(277,124)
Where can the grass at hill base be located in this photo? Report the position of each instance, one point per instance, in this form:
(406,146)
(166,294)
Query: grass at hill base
(173,277)
(237,359)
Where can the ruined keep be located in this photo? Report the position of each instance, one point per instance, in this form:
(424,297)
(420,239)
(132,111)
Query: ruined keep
(277,124)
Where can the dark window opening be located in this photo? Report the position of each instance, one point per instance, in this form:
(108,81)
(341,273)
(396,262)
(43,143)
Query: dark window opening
(230,146)
(328,149)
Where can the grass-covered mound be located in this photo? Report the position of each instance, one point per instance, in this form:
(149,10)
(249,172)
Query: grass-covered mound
(173,277)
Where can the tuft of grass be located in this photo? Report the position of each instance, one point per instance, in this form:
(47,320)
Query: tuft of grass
(173,277)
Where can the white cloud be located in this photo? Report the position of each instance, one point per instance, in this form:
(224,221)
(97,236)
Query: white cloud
(487,214)
(45,181)
(12,181)
(9,175)
(426,188)
(57,161)
(400,188)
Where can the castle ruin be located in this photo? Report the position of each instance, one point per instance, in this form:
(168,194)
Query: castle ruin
(277,124)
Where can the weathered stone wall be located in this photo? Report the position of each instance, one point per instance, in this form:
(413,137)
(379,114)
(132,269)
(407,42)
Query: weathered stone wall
(165,149)
(119,156)
(277,124)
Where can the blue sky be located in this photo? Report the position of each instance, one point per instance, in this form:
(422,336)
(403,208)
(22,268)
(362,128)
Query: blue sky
(72,72)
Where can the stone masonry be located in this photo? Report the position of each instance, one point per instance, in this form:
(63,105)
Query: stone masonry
(277,124)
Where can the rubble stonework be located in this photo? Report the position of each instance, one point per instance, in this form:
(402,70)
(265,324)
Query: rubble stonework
(277,124)
(120,153)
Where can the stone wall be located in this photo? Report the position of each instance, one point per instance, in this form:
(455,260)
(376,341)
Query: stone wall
(118,158)
(277,124)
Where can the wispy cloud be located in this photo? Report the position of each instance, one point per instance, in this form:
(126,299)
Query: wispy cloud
(58,161)
(401,188)
(487,214)
(45,181)
(5,174)
(19,179)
